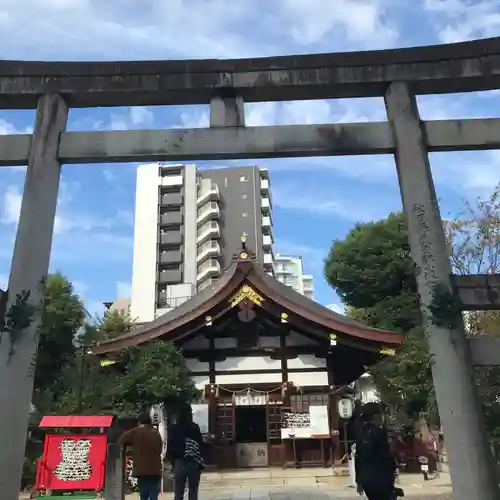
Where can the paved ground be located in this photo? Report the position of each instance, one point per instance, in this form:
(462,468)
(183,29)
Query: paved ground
(289,493)
(301,485)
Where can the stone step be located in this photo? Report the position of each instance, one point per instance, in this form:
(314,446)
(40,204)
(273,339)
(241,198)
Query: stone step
(307,477)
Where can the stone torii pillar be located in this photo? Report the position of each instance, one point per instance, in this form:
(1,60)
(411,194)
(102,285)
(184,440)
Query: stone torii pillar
(471,462)
(30,265)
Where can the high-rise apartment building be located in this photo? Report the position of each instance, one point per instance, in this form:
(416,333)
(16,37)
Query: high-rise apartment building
(188,226)
(290,271)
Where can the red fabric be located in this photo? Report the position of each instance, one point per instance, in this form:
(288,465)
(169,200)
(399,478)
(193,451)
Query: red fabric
(47,469)
(81,421)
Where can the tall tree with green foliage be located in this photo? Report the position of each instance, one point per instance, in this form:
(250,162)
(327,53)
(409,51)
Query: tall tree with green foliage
(63,316)
(372,272)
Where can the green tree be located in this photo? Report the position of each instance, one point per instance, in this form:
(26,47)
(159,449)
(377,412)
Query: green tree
(141,376)
(372,271)
(63,316)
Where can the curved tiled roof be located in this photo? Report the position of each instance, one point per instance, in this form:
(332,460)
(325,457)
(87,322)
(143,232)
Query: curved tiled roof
(244,271)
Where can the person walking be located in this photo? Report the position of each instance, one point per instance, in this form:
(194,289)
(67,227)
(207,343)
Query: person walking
(374,463)
(184,453)
(146,445)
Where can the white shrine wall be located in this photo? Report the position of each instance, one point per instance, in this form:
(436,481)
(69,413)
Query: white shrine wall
(264,364)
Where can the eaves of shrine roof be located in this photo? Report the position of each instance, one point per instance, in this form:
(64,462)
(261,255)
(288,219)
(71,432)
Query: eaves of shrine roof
(245,272)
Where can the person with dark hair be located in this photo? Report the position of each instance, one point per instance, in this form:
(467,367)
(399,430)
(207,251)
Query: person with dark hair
(146,445)
(374,463)
(184,453)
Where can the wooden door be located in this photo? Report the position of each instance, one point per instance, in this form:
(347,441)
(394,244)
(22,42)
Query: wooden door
(224,435)
(275,443)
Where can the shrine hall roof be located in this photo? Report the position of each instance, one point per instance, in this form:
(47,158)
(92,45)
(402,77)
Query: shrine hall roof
(244,271)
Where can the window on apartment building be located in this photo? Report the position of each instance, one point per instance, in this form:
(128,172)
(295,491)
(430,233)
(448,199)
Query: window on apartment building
(243,178)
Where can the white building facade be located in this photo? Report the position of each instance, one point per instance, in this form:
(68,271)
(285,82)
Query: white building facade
(290,271)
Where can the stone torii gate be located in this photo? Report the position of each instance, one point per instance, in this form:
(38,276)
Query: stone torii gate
(395,75)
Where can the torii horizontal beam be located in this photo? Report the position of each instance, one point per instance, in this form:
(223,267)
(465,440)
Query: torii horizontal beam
(218,143)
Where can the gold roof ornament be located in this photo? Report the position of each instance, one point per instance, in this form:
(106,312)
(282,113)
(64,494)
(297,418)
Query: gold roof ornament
(246,293)
(107,362)
(388,351)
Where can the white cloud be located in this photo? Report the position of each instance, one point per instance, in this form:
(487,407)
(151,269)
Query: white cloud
(123,289)
(4,282)
(66,220)
(11,206)
(357,21)
(80,288)
(338,308)
(461,20)
(108,175)
(6,128)
(136,117)
(160,29)
(324,202)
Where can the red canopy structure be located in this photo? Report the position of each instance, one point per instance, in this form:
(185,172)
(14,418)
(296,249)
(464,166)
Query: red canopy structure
(77,421)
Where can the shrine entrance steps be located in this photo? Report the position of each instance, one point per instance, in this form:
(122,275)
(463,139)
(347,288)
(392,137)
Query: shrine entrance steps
(271,476)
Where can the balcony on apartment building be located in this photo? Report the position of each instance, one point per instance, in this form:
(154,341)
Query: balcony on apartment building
(204,283)
(208,211)
(269,263)
(171,199)
(170,257)
(209,230)
(266,203)
(172,218)
(208,249)
(167,276)
(172,180)
(267,240)
(170,238)
(212,193)
(170,297)
(266,221)
(264,185)
(209,268)
(283,268)
(268,258)
(307,281)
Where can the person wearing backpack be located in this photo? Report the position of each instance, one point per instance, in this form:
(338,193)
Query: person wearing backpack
(184,453)
(374,463)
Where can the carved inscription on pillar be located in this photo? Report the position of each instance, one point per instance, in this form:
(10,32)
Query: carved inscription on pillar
(427,269)
(421,228)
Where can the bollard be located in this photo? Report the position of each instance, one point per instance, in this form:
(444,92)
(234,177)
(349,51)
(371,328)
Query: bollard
(114,486)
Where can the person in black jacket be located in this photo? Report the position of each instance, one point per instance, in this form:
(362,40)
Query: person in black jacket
(374,462)
(184,453)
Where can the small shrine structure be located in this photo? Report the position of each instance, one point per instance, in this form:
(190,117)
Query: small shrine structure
(271,365)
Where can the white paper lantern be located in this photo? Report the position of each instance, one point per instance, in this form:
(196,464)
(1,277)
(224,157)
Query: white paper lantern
(345,408)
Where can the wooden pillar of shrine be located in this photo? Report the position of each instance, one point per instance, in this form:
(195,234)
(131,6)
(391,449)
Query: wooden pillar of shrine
(333,415)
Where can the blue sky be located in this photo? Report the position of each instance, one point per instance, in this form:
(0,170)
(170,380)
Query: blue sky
(316,200)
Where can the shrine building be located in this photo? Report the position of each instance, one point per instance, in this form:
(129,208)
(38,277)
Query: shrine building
(271,365)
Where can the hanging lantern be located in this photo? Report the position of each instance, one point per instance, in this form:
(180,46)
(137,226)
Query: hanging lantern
(345,408)
(333,339)
(284,317)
